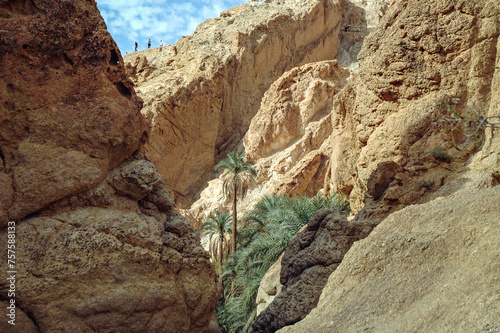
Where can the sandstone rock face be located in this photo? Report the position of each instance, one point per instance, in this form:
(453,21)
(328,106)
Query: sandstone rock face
(368,12)
(98,246)
(427,268)
(68,113)
(431,266)
(421,53)
(201,94)
(294,101)
(269,287)
(288,137)
(360,16)
(307,263)
(114,260)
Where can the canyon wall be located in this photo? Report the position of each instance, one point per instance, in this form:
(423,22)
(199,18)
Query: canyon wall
(426,268)
(201,94)
(432,266)
(386,128)
(287,139)
(98,245)
(69,114)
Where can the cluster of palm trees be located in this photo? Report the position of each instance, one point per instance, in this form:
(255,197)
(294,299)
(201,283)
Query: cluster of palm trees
(237,175)
(244,250)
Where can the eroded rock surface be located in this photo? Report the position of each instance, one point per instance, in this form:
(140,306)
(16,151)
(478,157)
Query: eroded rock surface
(427,268)
(421,54)
(358,18)
(201,94)
(269,286)
(108,261)
(431,266)
(68,113)
(307,263)
(288,137)
(98,246)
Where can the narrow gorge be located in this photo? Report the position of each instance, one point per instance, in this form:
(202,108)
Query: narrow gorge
(107,169)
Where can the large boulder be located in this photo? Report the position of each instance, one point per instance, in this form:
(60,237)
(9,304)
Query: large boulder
(433,267)
(110,260)
(68,112)
(98,247)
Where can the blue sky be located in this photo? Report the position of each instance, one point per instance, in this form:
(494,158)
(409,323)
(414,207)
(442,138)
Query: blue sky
(167,20)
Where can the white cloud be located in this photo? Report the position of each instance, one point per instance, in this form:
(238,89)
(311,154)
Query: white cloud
(168,20)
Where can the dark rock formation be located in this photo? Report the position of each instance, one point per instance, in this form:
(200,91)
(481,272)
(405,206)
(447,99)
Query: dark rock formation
(306,265)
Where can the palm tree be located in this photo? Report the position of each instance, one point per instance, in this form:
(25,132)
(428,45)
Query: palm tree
(270,227)
(217,229)
(237,175)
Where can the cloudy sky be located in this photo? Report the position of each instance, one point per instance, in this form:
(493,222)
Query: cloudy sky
(167,20)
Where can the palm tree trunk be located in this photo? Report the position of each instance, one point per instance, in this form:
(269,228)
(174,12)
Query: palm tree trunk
(235,217)
(221,258)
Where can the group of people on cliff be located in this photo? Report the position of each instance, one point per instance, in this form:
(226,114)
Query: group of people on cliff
(149,45)
(348,28)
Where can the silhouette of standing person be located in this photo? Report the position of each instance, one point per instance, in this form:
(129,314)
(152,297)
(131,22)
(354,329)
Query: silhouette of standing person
(161,45)
(136,45)
(149,43)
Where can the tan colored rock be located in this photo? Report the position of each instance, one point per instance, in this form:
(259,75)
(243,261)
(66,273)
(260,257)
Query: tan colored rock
(389,109)
(98,246)
(297,98)
(68,112)
(269,286)
(201,94)
(369,12)
(359,17)
(426,268)
(432,266)
(106,260)
(287,139)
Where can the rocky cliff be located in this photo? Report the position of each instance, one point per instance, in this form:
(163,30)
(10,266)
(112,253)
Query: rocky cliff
(68,112)
(201,94)
(386,147)
(98,246)
(427,268)
(287,138)
(431,266)
(387,119)
(305,266)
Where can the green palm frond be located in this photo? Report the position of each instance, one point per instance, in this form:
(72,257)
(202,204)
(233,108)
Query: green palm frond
(216,230)
(237,175)
(236,171)
(265,233)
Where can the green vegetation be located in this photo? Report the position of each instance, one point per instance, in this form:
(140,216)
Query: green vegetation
(217,230)
(257,240)
(237,175)
(264,234)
